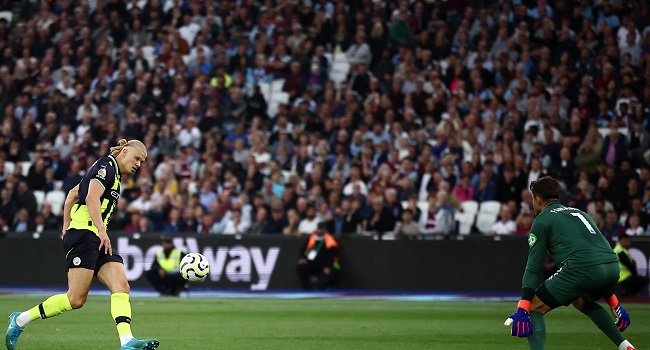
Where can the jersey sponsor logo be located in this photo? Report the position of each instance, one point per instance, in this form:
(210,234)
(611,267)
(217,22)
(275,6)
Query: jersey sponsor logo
(101,173)
(532,239)
(115,194)
(76,261)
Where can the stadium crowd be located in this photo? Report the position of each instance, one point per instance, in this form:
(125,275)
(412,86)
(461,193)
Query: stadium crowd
(393,114)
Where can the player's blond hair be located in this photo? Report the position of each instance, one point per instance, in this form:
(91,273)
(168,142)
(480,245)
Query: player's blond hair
(115,151)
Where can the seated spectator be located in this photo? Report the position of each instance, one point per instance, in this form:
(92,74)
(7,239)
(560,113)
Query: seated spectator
(319,258)
(612,227)
(463,191)
(505,225)
(438,220)
(235,225)
(380,219)
(310,222)
(277,221)
(22,224)
(634,229)
(407,229)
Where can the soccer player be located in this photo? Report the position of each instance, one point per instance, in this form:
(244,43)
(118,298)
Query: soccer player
(588,270)
(88,249)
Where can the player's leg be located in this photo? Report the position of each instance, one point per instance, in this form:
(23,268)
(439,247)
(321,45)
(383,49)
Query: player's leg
(537,339)
(598,281)
(601,318)
(79,280)
(113,275)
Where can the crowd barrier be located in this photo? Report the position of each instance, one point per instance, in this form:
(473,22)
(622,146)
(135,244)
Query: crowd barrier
(481,264)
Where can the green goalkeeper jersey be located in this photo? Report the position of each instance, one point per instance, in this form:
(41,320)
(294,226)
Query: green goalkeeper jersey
(570,236)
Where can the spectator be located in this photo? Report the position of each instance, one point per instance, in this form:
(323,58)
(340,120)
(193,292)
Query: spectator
(22,224)
(612,227)
(634,229)
(309,222)
(505,225)
(438,219)
(408,228)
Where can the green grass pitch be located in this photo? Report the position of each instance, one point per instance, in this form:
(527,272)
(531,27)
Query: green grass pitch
(181,323)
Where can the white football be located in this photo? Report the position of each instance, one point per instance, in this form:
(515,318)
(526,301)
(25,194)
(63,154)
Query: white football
(195,267)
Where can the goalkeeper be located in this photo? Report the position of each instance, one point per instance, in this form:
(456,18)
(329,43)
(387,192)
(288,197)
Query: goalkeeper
(588,270)
(89,253)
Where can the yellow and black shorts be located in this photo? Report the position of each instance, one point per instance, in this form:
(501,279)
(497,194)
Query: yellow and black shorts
(82,250)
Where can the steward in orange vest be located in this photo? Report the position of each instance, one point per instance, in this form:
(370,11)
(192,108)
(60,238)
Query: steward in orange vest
(318,262)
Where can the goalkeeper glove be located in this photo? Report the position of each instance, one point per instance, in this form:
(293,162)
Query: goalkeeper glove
(622,317)
(522,326)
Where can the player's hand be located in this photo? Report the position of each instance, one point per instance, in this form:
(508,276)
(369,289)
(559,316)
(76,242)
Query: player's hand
(622,317)
(105,242)
(521,324)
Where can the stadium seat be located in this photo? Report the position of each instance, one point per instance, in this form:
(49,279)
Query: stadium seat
(265,89)
(276,86)
(8,15)
(26,165)
(465,222)
(10,167)
(58,184)
(469,207)
(490,207)
(147,54)
(56,199)
(484,222)
(423,206)
(40,199)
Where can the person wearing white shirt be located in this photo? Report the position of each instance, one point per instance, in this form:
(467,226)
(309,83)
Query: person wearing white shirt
(505,226)
(309,224)
(190,135)
(235,225)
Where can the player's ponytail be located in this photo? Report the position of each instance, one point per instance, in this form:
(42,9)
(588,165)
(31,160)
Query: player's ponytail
(115,151)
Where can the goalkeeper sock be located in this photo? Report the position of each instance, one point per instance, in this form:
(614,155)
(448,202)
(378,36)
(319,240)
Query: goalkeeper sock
(53,306)
(625,345)
(604,321)
(537,339)
(121,312)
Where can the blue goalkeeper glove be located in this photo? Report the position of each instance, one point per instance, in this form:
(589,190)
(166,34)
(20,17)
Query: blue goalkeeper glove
(622,318)
(522,326)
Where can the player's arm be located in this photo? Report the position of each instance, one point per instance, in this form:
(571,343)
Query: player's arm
(520,320)
(622,317)
(70,200)
(93,202)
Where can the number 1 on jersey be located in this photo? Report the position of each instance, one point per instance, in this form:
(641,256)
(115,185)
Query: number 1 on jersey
(584,221)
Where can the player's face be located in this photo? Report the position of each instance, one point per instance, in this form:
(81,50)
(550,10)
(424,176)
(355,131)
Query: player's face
(537,205)
(132,159)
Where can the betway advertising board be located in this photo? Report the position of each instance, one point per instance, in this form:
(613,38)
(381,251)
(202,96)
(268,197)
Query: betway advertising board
(269,263)
(244,265)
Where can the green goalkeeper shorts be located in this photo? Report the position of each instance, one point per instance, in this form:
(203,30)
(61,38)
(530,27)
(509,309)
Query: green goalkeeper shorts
(568,284)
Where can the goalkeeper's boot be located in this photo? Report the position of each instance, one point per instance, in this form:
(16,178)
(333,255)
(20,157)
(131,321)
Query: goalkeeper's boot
(13,331)
(137,344)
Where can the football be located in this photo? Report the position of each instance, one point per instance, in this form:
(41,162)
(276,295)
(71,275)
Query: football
(195,267)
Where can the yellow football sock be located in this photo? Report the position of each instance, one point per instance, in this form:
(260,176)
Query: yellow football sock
(53,306)
(121,312)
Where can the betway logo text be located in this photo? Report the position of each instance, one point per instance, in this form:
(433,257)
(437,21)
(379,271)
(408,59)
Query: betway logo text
(236,263)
